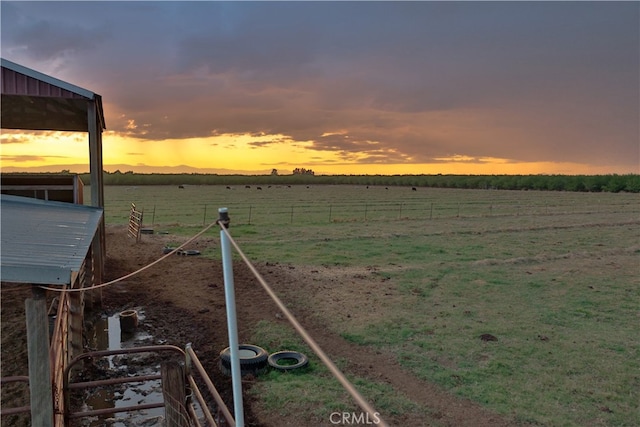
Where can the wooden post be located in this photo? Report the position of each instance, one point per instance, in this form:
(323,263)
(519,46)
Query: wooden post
(94,128)
(40,389)
(173,391)
(76,321)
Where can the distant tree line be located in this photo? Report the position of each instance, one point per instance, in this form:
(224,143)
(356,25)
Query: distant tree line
(303,171)
(586,183)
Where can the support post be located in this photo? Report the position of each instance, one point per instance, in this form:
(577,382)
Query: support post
(40,390)
(230,301)
(94,125)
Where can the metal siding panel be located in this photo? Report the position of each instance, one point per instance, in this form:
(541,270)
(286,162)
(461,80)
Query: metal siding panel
(50,236)
(68,90)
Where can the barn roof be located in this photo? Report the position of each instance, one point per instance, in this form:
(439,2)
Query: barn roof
(36,101)
(43,242)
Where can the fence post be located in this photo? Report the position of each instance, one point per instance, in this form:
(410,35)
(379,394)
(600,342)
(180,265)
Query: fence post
(204,219)
(230,300)
(40,390)
(291,214)
(250,214)
(173,391)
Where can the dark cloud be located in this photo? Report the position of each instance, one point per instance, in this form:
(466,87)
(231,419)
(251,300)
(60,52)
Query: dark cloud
(377,81)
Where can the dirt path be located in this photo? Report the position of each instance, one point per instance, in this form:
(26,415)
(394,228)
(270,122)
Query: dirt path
(183,301)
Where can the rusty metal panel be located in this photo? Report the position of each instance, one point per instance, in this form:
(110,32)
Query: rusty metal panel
(14,83)
(19,80)
(33,100)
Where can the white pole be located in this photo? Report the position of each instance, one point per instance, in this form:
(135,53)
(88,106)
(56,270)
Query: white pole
(230,300)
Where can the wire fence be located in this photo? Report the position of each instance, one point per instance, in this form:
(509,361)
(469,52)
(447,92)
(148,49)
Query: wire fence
(323,213)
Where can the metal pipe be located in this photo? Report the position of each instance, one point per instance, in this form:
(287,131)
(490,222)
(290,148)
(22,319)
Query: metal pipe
(142,349)
(232,326)
(114,381)
(106,411)
(201,401)
(306,337)
(216,396)
(23,378)
(194,417)
(16,410)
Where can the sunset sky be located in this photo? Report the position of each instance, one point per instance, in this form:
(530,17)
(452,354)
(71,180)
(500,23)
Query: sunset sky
(338,87)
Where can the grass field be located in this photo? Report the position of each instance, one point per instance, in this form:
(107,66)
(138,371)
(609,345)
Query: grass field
(554,276)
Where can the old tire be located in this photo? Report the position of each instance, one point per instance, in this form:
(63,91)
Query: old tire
(287,360)
(188,252)
(253,360)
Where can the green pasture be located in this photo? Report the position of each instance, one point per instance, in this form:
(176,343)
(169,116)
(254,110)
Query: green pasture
(196,205)
(554,276)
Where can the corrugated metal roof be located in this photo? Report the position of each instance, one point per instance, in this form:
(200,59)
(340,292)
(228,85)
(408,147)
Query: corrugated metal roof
(43,242)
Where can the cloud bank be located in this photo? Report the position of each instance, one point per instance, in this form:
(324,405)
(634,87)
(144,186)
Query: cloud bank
(373,82)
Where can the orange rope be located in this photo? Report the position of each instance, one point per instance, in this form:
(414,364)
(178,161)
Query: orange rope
(119,279)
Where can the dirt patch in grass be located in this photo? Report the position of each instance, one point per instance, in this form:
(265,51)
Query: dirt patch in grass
(183,302)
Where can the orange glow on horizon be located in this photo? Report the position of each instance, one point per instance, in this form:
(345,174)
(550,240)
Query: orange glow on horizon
(244,154)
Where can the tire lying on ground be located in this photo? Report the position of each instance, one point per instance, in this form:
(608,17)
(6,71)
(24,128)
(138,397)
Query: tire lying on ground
(287,360)
(188,252)
(253,360)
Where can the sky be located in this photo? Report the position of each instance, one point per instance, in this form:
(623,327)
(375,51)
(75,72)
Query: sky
(338,87)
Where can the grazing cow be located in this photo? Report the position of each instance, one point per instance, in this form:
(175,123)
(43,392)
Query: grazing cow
(258,188)
(247,186)
(228,188)
(414,189)
(386,188)
(181,186)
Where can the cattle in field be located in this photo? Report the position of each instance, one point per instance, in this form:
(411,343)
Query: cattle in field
(181,186)
(414,189)
(247,186)
(258,188)
(228,188)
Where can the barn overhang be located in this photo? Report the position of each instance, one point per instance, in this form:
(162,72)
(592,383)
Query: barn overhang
(35,101)
(32,100)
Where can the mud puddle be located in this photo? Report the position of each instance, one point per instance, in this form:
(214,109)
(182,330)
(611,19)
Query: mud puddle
(106,333)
